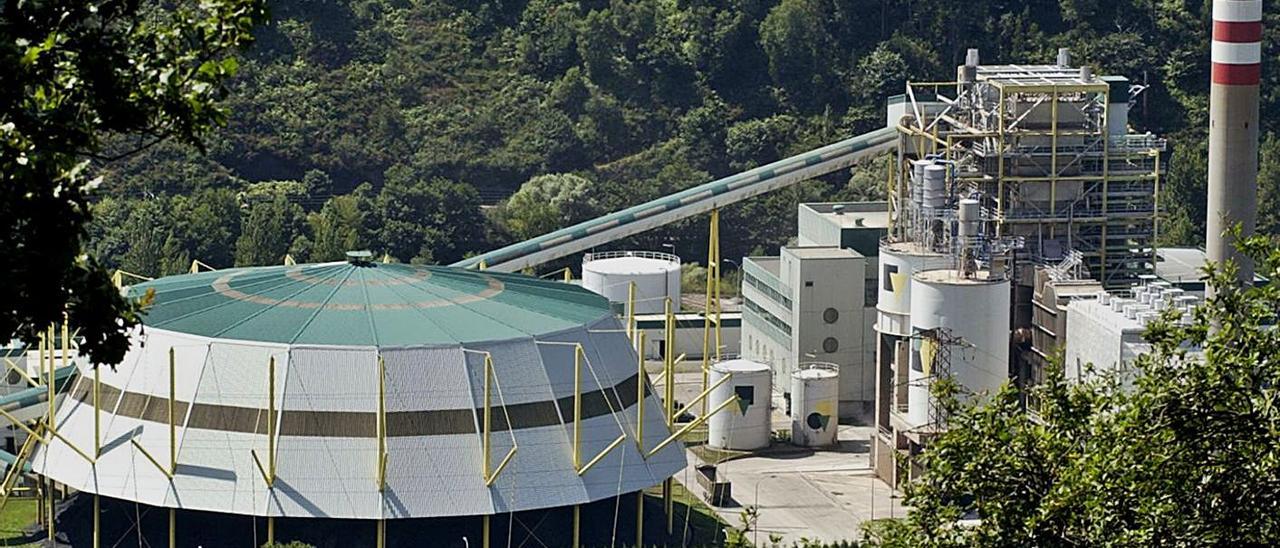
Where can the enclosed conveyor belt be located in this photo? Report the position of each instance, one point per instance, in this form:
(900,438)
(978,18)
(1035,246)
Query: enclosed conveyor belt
(686,203)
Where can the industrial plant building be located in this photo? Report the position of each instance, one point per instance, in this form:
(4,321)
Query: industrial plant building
(1018,188)
(815,301)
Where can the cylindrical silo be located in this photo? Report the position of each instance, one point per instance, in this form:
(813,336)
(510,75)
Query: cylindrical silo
(935,187)
(656,277)
(898,261)
(970,312)
(745,426)
(815,400)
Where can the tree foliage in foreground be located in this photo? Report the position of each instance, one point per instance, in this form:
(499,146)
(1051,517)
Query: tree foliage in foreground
(73,74)
(1187,456)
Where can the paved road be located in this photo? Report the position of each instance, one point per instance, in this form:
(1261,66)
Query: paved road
(821,495)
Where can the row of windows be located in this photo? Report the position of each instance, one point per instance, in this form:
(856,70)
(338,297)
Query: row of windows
(773,294)
(768,317)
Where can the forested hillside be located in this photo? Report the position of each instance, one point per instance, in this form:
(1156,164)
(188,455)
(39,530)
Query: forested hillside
(382,123)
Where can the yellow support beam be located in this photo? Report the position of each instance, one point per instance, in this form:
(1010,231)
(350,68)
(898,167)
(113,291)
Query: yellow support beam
(577,526)
(642,375)
(694,424)
(631,315)
(151,458)
(271,422)
(578,355)
(173,426)
(700,397)
(712,302)
(382,426)
(640,518)
(491,476)
(8,363)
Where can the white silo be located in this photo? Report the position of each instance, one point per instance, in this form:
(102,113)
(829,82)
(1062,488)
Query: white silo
(815,400)
(745,426)
(974,310)
(656,276)
(898,261)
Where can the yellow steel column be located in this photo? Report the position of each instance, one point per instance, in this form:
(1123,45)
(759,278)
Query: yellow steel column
(173,448)
(642,377)
(577,526)
(40,369)
(382,448)
(1106,176)
(97,452)
(1155,219)
(577,410)
(631,314)
(488,421)
(640,518)
(713,265)
(1000,200)
(1053,157)
(173,428)
(52,426)
(484,536)
(271,444)
(668,402)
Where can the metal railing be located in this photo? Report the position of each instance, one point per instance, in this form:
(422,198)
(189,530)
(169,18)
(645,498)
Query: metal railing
(598,256)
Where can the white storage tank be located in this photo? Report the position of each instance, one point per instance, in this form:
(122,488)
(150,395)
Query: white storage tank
(972,309)
(815,400)
(745,426)
(898,261)
(656,275)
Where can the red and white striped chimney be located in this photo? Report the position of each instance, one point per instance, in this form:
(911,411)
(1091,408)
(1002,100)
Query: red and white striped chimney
(1233,125)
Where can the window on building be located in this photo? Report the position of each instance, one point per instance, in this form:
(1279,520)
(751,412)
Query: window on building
(830,315)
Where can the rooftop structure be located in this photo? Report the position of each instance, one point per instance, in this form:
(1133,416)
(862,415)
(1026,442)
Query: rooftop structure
(1047,151)
(369,391)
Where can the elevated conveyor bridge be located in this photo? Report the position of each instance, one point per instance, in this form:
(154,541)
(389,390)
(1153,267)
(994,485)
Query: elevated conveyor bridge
(686,203)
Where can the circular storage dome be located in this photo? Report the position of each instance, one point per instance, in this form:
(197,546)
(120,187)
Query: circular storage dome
(656,275)
(815,399)
(373,364)
(747,425)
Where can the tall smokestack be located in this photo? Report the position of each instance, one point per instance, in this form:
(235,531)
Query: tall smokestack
(1233,126)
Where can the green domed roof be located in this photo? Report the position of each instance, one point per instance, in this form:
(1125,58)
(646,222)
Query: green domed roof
(367,304)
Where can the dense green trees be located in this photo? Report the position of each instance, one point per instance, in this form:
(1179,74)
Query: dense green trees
(433,107)
(83,80)
(1188,456)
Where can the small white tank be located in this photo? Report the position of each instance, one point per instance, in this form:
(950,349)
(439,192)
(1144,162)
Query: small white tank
(745,426)
(935,187)
(815,400)
(656,275)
